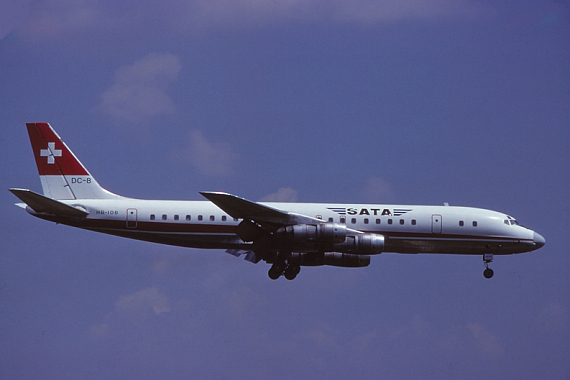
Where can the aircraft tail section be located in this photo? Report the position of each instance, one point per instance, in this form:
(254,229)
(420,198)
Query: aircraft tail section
(62,175)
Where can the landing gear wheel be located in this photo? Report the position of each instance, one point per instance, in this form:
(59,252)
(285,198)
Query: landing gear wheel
(487,258)
(291,272)
(275,272)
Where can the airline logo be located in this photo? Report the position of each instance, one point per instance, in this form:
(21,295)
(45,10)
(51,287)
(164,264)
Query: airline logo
(369,211)
(53,157)
(51,153)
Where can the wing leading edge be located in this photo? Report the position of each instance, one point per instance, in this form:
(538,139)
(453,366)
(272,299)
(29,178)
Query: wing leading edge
(268,217)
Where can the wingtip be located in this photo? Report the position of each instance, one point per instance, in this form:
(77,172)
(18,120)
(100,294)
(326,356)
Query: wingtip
(209,194)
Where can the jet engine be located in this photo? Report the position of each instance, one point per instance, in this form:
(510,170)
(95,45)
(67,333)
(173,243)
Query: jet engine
(326,234)
(364,244)
(330,237)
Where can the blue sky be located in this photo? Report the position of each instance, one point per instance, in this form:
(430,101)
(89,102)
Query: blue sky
(409,102)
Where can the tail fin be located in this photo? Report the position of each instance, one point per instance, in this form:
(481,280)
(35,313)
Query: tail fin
(61,173)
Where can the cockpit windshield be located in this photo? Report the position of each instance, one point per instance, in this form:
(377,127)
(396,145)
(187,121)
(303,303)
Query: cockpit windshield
(511,221)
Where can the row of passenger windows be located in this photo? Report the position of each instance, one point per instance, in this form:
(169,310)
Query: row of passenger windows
(390,221)
(189,217)
(377,221)
(224,218)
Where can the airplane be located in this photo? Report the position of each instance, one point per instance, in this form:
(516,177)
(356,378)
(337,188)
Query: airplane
(285,235)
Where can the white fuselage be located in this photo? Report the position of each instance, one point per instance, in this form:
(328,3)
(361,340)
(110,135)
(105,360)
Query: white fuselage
(407,229)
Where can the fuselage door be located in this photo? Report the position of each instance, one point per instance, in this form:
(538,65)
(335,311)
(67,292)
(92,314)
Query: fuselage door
(131,218)
(436,224)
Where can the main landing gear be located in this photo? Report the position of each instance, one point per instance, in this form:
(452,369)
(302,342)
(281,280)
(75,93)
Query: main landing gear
(289,271)
(488,258)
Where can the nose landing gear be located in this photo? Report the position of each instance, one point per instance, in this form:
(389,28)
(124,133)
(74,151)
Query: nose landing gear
(488,272)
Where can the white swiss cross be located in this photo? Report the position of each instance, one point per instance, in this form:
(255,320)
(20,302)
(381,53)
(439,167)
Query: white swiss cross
(50,153)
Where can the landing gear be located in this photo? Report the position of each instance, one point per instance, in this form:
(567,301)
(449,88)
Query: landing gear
(488,258)
(289,271)
(275,271)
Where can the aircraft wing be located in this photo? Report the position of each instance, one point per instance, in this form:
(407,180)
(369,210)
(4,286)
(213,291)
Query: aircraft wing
(265,216)
(45,205)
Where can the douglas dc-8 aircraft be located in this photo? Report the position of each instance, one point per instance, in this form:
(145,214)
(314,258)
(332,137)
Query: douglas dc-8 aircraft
(286,235)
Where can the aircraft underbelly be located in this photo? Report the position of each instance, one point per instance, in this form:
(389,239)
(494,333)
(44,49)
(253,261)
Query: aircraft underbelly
(228,240)
(451,246)
(212,241)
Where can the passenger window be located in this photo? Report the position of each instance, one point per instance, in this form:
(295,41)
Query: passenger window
(200,217)
(474,224)
(223,218)
(389,221)
(212,218)
(331,220)
(461,223)
(402,221)
(377,221)
(319,217)
(152,216)
(235,219)
(176,217)
(188,217)
(365,220)
(342,219)
(353,221)
(164,217)
(413,222)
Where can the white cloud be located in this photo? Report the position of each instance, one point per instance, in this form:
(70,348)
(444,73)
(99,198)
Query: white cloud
(133,307)
(416,327)
(51,17)
(487,342)
(214,158)
(138,92)
(284,194)
(374,11)
(225,13)
(140,302)
(324,335)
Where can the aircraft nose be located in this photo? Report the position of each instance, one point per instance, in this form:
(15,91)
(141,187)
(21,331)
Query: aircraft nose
(538,240)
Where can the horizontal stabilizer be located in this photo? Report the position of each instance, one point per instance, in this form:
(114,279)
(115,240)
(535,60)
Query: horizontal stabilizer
(45,205)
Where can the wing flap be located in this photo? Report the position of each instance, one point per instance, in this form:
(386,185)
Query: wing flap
(45,205)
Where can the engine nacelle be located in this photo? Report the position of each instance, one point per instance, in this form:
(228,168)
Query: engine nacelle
(364,244)
(335,259)
(326,234)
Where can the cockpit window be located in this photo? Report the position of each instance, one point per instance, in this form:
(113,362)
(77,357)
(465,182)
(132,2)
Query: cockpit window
(511,221)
